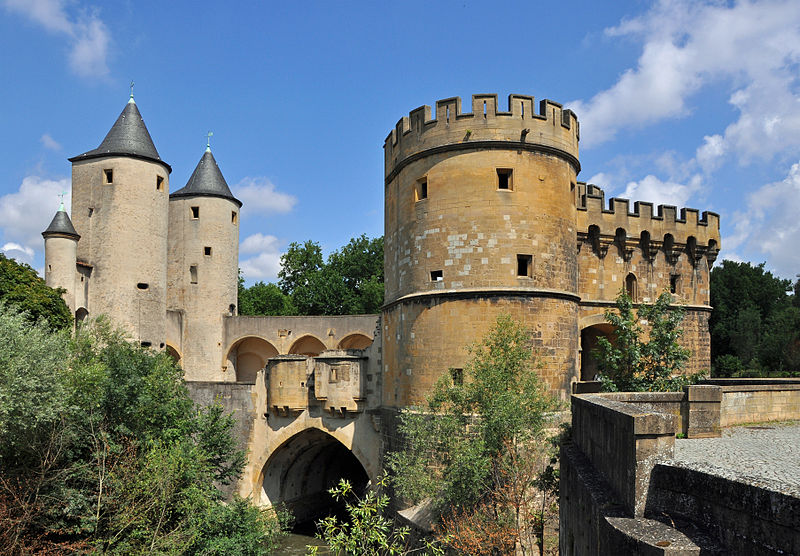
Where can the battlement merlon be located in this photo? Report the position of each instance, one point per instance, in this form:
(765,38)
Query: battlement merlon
(552,130)
(681,225)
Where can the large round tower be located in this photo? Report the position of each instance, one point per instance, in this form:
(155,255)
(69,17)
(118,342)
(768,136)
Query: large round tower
(61,254)
(203,267)
(480,213)
(119,207)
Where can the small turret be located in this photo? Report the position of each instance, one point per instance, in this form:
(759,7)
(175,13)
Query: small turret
(203,266)
(60,255)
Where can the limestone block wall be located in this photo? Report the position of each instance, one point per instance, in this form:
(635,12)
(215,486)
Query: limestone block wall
(430,335)
(203,278)
(123,229)
(753,400)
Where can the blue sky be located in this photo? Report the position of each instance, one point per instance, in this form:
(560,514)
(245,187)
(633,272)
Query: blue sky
(687,103)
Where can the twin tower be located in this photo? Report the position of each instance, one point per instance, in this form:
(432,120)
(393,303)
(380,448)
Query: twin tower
(163,266)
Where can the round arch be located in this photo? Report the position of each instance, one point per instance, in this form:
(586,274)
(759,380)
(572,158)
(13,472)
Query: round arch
(248,355)
(300,471)
(173,352)
(589,340)
(356,340)
(80,315)
(307,345)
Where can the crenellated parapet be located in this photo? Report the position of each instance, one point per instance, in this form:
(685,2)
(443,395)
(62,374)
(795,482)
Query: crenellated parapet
(666,229)
(551,130)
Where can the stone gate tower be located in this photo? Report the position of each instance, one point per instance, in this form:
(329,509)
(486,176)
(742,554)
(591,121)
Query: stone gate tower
(203,267)
(119,198)
(480,212)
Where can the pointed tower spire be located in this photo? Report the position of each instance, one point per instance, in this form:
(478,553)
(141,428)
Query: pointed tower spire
(61,225)
(127,137)
(207,179)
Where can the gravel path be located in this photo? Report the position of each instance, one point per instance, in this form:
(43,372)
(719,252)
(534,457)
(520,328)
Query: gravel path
(769,451)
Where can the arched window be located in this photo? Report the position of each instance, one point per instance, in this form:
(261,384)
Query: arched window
(630,286)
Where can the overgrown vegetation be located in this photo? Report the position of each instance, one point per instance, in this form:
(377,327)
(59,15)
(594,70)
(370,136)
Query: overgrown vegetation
(478,452)
(349,283)
(367,530)
(102,450)
(755,324)
(643,360)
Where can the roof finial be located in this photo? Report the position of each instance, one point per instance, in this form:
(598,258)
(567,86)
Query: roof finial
(131,99)
(208,141)
(61,206)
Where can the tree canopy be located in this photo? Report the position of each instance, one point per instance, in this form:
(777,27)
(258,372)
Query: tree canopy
(22,287)
(101,449)
(350,282)
(755,324)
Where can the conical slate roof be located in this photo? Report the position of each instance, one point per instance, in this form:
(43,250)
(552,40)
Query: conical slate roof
(127,137)
(61,224)
(207,181)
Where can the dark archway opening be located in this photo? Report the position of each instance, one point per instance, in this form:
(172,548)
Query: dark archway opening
(300,472)
(589,337)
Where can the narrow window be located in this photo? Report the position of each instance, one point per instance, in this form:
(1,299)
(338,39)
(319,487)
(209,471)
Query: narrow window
(91,211)
(233,217)
(207,251)
(524,264)
(142,285)
(195,212)
(630,286)
(49,267)
(193,274)
(108,176)
(674,283)
(458,376)
(146,344)
(159,183)
(504,180)
(422,189)
(436,276)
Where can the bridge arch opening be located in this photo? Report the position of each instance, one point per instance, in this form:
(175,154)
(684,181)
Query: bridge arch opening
(355,341)
(249,355)
(589,338)
(307,345)
(300,471)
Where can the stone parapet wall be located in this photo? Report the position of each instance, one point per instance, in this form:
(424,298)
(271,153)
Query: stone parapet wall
(757,400)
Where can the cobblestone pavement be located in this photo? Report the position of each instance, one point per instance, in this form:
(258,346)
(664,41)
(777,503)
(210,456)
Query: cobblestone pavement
(769,451)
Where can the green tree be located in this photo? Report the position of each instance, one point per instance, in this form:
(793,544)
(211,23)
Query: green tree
(22,287)
(264,299)
(298,265)
(101,446)
(639,360)
(462,450)
(753,320)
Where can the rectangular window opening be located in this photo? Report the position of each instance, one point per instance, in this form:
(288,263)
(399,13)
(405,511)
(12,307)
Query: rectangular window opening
(146,344)
(504,180)
(674,280)
(524,264)
(159,183)
(233,217)
(142,285)
(108,176)
(457,375)
(193,274)
(422,190)
(195,212)
(437,276)
(207,251)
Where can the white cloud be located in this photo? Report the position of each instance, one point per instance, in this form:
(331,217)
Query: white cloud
(771,226)
(267,260)
(19,252)
(259,194)
(709,154)
(50,143)
(88,36)
(659,192)
(26,213)
(751,46)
